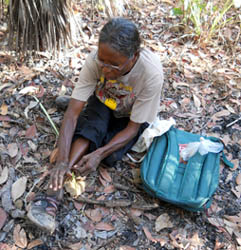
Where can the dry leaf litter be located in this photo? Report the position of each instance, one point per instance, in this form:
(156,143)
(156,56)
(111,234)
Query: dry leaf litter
(202,93)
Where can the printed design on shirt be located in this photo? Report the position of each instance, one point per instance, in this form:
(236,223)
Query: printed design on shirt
(116,95)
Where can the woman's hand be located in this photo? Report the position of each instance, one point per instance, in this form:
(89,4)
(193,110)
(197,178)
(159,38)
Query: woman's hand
(88,163)
(57,175)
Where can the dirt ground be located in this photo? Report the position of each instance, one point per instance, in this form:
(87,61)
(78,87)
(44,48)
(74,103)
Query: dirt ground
(201,92)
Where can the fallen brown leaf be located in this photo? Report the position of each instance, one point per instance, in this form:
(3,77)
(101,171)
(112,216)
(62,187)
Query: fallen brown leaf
(218,245)
(104,226)
(230,109)
(27,73)
(3,217)
(188,73)
(230,226)
(75,186)
(163,221)
(31,105)
(6,85)
(177,84)
(196,241)
(175,243)
(76,246)
(94,214)
(19,236)
(18,188)
(53,156)
(160,240)
(101,198)
(105,175)
(34,243)
(220,114)
(229,177)
(24,149)
(103,182)
(226,139)
(4,176)
(40,92)
(150,216)
(214,208)
(62,90)
(238,179)
(105,211)
(51,111)
(4,118)
(238,236)
(109,189)
(89,226)
(237,194)
(31,132)
(4,246)
(235,219)
(127,248)
(197,102)
(4,109)
(78,205)
(136,212)
(25,70)
(12,149)
(238,241)
(148,235)
(28,90)
(235,163)
(217,222)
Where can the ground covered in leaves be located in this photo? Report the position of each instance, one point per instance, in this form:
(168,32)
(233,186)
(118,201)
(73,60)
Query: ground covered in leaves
(201,92)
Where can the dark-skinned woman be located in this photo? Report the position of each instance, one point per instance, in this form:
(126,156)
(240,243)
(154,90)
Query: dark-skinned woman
(117,95)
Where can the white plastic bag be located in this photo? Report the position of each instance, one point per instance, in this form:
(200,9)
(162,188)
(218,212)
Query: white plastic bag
(190,150)
(203,147)
(157,128)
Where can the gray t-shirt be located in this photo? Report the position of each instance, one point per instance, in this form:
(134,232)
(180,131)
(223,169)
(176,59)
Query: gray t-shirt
(136,94)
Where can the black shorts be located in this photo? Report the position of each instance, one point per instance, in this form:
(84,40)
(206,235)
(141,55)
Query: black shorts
(98,124)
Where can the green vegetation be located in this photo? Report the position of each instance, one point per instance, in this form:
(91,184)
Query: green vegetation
(205,18)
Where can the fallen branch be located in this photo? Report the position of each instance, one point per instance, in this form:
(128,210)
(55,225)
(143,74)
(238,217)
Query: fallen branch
(118,203)
(36,182)
(125,188)
(107,203)
(139,186)
(144,207)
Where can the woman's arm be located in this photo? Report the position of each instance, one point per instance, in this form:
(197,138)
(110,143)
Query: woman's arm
(90,162)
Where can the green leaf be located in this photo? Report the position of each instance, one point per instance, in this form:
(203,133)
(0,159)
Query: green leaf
(177,11)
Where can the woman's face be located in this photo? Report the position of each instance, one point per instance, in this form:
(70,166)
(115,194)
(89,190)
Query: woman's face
(112,63)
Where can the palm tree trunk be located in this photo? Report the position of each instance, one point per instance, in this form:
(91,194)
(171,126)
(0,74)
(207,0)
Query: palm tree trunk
(39,24)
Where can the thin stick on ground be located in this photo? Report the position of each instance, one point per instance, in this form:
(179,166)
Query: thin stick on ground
(118,203)
(232,123)
(47,115)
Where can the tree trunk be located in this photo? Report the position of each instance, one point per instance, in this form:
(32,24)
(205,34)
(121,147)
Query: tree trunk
(113,8)
(39,24)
